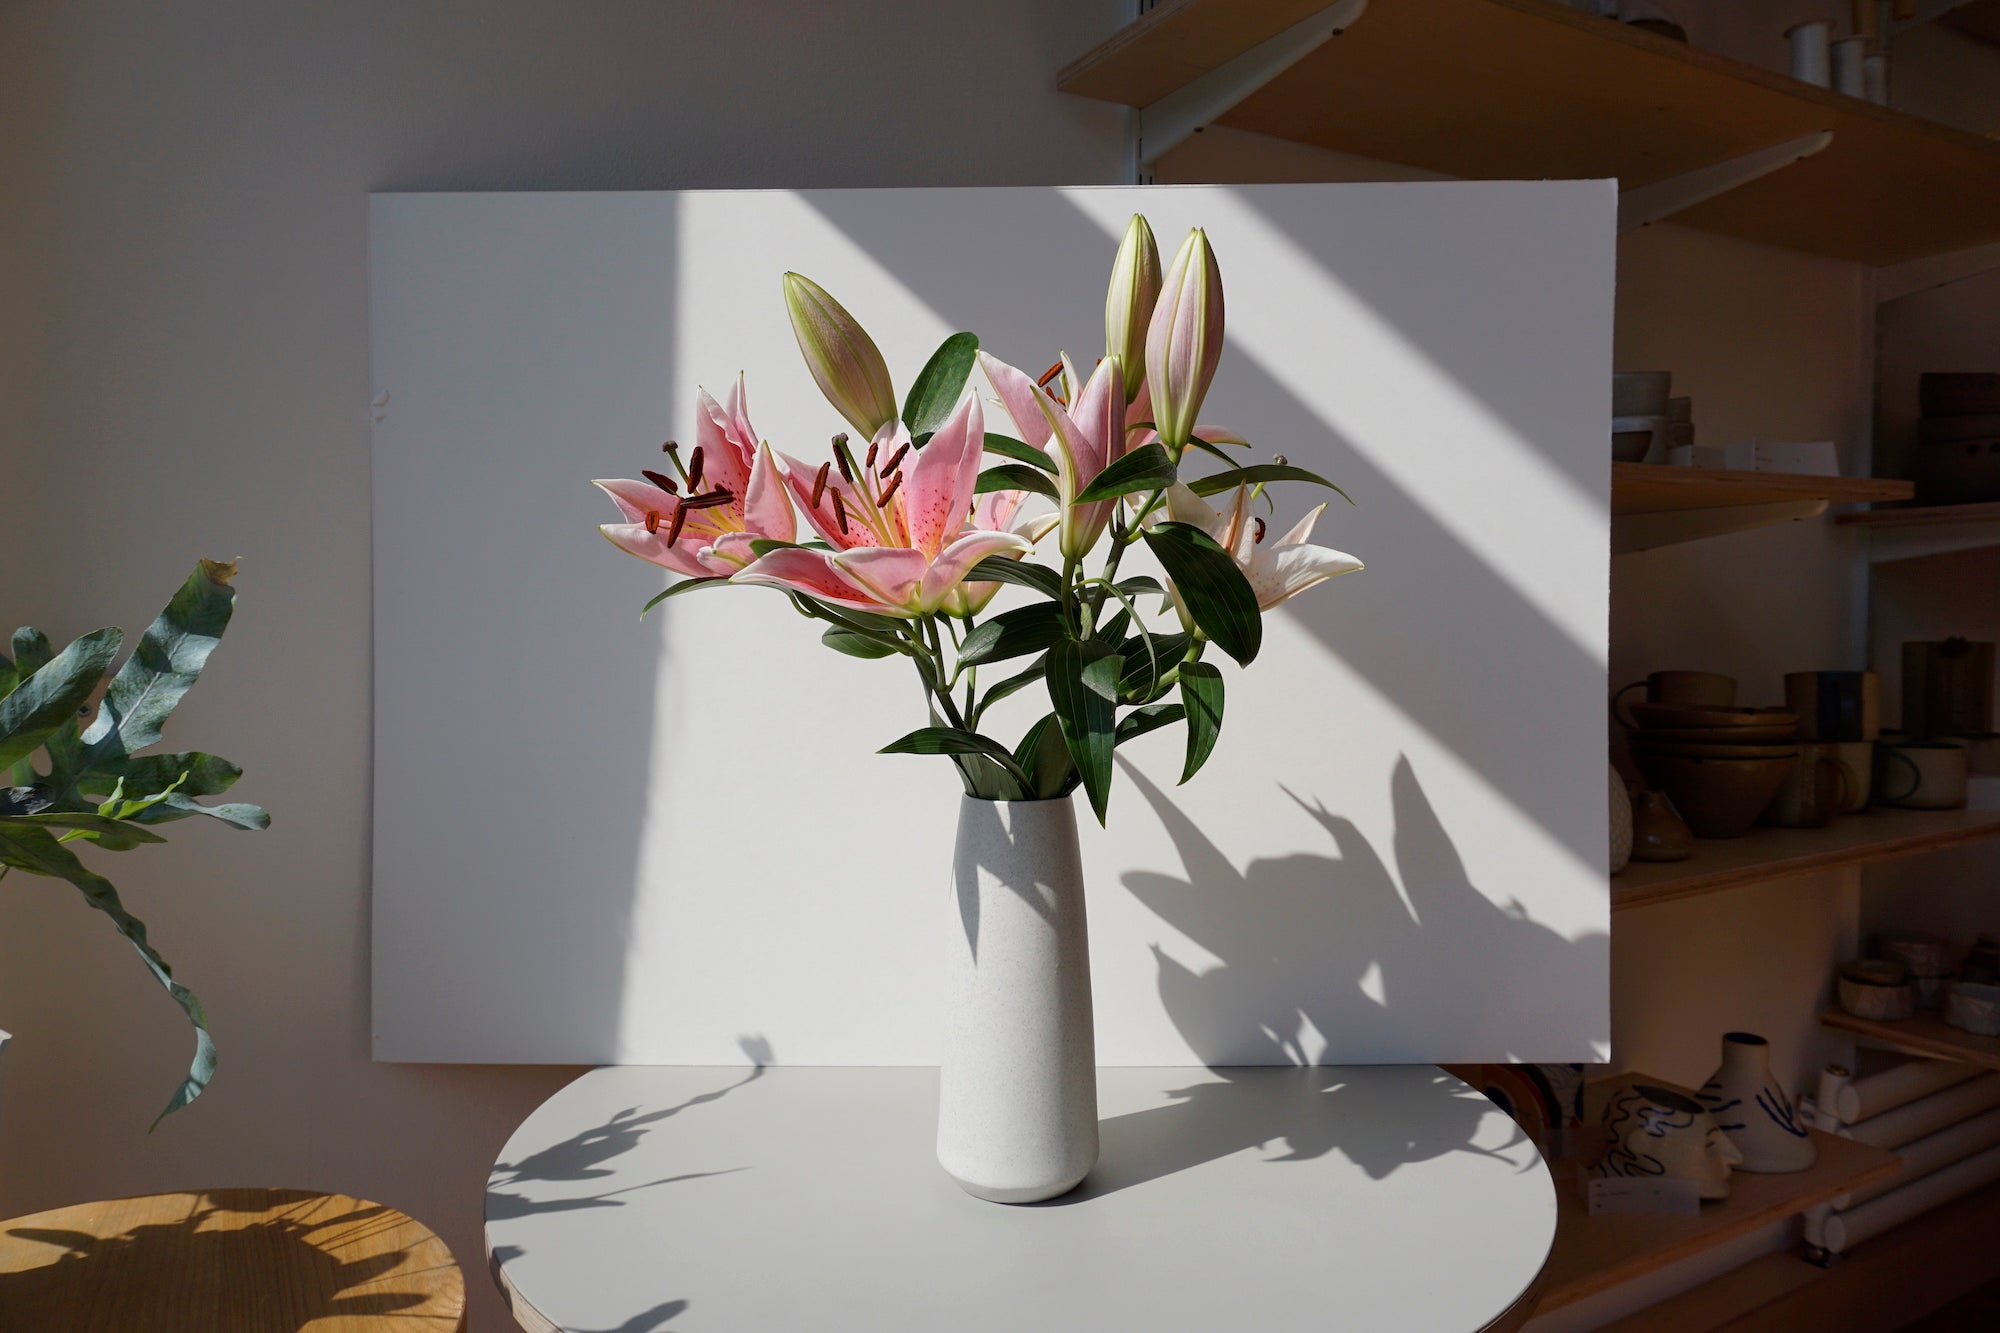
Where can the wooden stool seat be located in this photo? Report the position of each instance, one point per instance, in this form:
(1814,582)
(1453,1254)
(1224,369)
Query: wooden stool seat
(227,1261)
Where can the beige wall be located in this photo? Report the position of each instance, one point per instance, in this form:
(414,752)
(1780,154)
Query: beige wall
(183,372)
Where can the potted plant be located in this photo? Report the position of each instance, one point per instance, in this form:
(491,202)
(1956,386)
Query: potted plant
(93,784)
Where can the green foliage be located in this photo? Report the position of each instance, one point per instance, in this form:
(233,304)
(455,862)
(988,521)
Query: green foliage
(1217,595)
(1020,451)
(1260,474)
(1147,469)
(1016,633)
(1014,477)
(1025,573)
(939,384)
(97,788)
(1201,696)
(1083,687)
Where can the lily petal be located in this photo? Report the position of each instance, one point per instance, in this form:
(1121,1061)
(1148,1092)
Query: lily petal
(893,575)
(949,569)
(1303,529)
(1018,395)
(633,539)
(725,455)
(815,574)
(636,499)
(1287,571)
(798,477)
(766,510)
(938,484)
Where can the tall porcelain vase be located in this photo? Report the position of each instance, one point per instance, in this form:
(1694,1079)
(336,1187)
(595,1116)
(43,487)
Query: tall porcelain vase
(1017,1086)
(1753,1110)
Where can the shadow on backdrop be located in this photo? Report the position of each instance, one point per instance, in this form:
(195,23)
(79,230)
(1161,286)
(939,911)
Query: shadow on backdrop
(1422,666)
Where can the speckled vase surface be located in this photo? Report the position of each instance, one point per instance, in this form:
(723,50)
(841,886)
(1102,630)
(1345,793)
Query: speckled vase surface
(1017,1084)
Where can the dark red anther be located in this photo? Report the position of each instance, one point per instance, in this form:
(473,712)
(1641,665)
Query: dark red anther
(660,479)
(680,517)
(694,468)
(840,457)
(1260,528)
(721,495)
(670,448)
(869,461)
(882,500)
(1049,375)
(819,484)
(840,513)
(653,521)
(895,458)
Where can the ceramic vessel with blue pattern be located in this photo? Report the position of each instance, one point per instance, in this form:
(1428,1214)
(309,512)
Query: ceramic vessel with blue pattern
(1750,1107)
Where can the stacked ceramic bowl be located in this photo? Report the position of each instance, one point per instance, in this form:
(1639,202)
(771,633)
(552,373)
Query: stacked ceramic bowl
(1721,767)
(1958,455)
(1640,415)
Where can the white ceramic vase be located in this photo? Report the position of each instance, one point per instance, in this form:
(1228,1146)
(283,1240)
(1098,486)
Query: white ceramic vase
(1017,1085)
(1753,1110)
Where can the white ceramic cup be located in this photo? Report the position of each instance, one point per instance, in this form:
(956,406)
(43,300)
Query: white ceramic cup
(1920,775)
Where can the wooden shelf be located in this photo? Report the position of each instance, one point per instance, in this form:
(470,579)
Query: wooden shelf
(1911,532)
(1769,853)
(1528,89)
(1593,1254)
(1925,1034)
(1652,488)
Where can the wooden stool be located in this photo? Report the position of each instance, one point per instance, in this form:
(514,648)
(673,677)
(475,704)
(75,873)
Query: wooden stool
(227,1261)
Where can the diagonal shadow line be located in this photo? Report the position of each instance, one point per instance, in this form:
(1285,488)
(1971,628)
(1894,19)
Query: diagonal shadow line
(1049,233)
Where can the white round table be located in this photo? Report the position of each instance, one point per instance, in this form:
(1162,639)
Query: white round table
(1364,1199)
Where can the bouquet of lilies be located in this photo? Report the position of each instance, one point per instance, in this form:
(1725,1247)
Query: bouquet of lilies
(916,529)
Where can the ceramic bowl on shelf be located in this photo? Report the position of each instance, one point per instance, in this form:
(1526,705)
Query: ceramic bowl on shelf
(1651,716)
(1973,1007)
(1758,735)
(1718,797)
(1632,438)
(1877,989)
(1646,742)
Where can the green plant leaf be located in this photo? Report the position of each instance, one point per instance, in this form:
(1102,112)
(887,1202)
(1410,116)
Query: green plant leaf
(676,588)
(1217,595)
(1201,694)
(236,814)
(1015,633)
(1261,473)
(1143,672)
(950,740)
(112,834)
(164,664)
(1146,469)
(1140,583)
(36,851)
(762,546)
(1150,718)
(44,701)
(939,384)
(198,774)
(1025,573)
(1020,451)
(1014,477)
(857,643)
(1014,683)
(1083,687)
(1045,755)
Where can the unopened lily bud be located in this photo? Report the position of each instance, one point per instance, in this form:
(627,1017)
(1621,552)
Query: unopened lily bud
(1184,340)
(1128,306)
(841,355)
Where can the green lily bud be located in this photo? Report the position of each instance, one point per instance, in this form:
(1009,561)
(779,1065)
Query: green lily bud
(1135,286)
(1184,341)
(841,355)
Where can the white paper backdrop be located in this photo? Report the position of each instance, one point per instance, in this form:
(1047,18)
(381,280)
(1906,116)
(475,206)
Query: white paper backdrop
(601,840)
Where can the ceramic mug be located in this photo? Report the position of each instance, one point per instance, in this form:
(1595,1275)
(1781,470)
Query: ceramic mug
(1835,705)
(1857,762)
(1690,689)
(1814,791)
(1920,775)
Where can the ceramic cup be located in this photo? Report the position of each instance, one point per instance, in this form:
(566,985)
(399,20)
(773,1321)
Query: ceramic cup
(1857,762)
(1920,775)
(1815,790)
(1835,705)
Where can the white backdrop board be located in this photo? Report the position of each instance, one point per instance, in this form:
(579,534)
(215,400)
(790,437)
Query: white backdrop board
(605,840)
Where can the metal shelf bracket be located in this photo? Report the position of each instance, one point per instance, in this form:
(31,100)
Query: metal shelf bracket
(1186,111)
(1646,204)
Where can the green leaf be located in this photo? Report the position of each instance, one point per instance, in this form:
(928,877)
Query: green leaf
(1000,569)
(1143,671)
(1261,473)
(236,814)
(36,851)
(1150,718)
(676,589)
(950,740)
(1140,583)
(1020,451)
(198,774)
(1013,684)
(939,384)
(761,546)
(857,643)
(164,664)
(1201,694)
(1147,469)
(112,834)
(1217,595)
(53,695)
(1045,755)
(32,650)
(1014,477)
(1083,687)
(1016,633)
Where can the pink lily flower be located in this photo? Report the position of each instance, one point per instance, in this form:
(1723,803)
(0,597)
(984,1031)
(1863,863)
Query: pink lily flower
(901,529)
(735,496)
(1089,436)
(1184,340)
(1278,570)
(999,511)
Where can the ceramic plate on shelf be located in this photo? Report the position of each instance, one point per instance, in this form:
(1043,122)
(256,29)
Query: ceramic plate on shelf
(1641,744)
(1650,716)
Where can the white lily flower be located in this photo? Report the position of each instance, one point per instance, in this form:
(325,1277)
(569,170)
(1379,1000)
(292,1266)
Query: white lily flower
(1276,570)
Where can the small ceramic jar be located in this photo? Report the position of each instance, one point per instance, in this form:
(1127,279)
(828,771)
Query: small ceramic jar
(1878,990)
(1655,1131)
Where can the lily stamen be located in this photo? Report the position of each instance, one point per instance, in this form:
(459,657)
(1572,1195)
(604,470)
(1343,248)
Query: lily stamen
(873,445)
(719,496)
(680,517)
(882,501)
(694,468)
(660,479)
(819,484)
(1260,530)
(840,513)
(895,458)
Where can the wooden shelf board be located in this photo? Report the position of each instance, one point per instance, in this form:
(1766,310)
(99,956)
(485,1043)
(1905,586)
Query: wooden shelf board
(1922,516)
(1653,488)
(1926,1034)
(1528,89)
(1593,1254)
(1769,853)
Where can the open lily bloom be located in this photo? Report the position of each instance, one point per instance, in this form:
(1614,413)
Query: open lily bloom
(1088,436)
(734,496)
(1276,570)
(1000,511)
(897,517)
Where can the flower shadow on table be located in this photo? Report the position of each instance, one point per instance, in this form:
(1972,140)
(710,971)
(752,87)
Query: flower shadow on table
(1312,945)
(278,1274)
